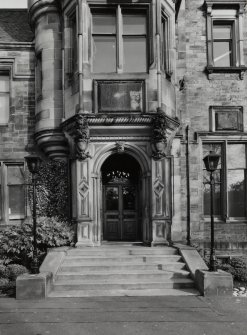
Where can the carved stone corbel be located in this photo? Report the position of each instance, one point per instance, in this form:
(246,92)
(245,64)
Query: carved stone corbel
(164,130)
(81,138)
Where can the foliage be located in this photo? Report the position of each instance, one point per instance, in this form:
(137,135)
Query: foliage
(238,262)
(3,282)
(3,271)
(16,242)
(52,190)
(14,270)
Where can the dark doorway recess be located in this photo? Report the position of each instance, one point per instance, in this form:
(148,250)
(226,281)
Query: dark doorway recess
(121,198)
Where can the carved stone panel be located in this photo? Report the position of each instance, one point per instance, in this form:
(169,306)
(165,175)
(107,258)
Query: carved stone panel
(161,188)
(83,189)
(162,200)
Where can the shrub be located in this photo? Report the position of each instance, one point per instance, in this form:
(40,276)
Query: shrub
(16,242)
(14,270)
(240,274)
(3,271)
(3,282)
(238,262)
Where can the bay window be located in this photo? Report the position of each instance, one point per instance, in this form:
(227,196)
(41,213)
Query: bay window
(230,181)
(119,37)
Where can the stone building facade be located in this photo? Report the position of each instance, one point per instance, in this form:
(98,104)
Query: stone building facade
(133,95)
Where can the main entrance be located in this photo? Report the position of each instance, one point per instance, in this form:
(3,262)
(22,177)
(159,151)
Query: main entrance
(121,201)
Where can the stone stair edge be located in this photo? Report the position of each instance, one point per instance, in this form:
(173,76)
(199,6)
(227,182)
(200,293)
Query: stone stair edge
(168,280)
(126,273)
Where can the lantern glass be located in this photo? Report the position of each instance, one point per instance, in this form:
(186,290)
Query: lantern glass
(211,161)
(33,163)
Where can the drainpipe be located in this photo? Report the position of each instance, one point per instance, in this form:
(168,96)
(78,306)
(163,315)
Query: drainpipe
(80,55)
(63,64)
(158,47)
(188,185)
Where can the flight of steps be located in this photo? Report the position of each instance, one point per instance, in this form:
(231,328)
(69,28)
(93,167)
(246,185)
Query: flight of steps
(122,271)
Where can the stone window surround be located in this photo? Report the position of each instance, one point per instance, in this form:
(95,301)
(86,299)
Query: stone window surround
(213,110)
(224,216)
(6,72)
(5,215)
(232,12)
(166,39)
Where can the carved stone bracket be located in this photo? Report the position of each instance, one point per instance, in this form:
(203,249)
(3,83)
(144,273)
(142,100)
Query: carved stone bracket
(164,130)
(77,128)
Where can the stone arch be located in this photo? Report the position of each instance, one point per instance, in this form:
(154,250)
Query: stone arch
(129,149)
(144,162)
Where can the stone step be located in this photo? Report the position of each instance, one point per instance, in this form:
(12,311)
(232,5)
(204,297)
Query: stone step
(173,266)
(73,285)
(126,293)
(80,260)
(127,276)
(123,251)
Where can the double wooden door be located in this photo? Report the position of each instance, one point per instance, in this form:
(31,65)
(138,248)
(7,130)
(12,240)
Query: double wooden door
(120,212)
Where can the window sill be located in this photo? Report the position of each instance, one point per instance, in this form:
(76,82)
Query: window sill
(226,221)
(120,76)
(239,70)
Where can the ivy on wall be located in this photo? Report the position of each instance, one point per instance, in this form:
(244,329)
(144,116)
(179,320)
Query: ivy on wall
(52,190)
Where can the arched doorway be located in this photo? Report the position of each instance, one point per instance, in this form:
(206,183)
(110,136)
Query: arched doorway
(121,198)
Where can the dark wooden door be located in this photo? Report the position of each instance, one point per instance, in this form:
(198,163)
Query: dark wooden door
(120,212)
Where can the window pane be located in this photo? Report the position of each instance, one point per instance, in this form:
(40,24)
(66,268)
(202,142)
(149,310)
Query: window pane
(135,54)
(112,198)
(16,200)
(104,54)
(104,23)
(4,108)
(236,157)
(236,193)
(222,53)
(4,83)
(216,147)
(129,198)
(134,24)
(222,32)
(207,200)
(15,175)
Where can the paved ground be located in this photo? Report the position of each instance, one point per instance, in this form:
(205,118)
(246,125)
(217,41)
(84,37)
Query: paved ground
(167,315)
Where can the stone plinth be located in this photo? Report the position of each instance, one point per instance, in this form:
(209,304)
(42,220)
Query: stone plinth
(33,287)
(214,283)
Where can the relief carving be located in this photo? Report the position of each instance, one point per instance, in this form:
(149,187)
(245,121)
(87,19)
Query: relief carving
(81,138)
(159,136)
(120,147)
(164,130)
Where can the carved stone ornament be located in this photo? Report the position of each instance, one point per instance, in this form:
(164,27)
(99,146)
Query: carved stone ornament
(120,147)
(164,130)
(81,138)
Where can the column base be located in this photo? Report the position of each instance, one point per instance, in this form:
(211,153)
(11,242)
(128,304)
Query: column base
(83,244)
